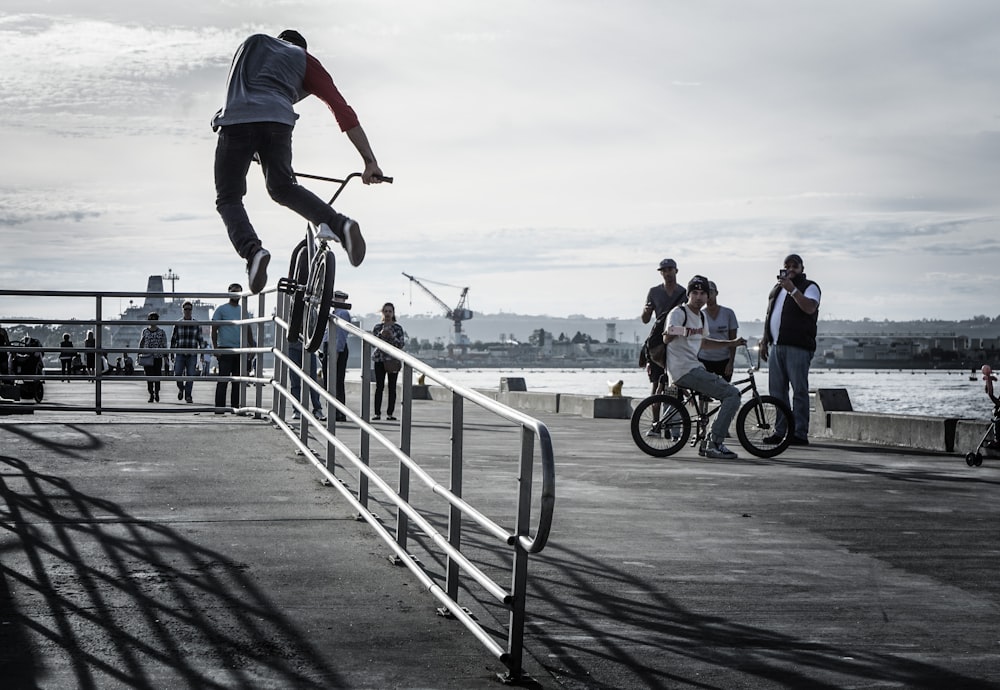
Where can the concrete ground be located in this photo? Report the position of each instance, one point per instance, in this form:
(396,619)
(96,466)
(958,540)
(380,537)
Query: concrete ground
(200,551)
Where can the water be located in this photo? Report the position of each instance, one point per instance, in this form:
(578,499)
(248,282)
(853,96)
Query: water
(912,392)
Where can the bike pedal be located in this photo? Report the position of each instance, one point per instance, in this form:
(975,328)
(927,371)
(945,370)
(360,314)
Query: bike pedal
(341,305)
(289,286)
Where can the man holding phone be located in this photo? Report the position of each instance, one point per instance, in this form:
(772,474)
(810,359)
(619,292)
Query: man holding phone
(685,336)
(789,343)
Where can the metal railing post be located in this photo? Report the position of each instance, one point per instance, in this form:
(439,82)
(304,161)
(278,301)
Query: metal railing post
(515,634)
(99,331)
(454,514)
(366,406)
(402,521)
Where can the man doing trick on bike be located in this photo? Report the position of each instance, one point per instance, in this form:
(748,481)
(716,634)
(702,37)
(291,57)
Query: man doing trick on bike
(267,77)
(684,334)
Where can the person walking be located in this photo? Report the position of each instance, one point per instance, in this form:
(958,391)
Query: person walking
(66,357)
(152,363)
(789,343)
(387,366)
(228,335)
(186,337)
(722,325)
(267,77)
(340,353)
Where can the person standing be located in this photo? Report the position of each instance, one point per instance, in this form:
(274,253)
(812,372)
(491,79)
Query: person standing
(4,356)
(386,365)
(186,337)
(66,357)
(685,338)
(659,301)
(90,343)
(789,343)
(722,325)
(341,353)
(152,363)
(267,77)
(228,335)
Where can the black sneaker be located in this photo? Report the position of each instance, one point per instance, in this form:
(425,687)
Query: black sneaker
(349,235)
(798,441)
(257,270)
(773,439)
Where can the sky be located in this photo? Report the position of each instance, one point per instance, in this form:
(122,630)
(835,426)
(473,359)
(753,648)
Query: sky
(547,153)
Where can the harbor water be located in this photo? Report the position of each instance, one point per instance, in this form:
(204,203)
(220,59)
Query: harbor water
(951,393)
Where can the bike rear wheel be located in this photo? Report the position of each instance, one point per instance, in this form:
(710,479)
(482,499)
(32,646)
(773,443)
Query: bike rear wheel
(756,426)
(298,271)
(660,425)
(318,299)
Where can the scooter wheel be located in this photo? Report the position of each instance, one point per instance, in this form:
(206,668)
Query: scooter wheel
(979,459)
(970,459)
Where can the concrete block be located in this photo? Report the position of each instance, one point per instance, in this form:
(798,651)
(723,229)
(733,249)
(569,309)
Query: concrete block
(512,383)
(968,434)
(604,407)
(906,431)
(530,402)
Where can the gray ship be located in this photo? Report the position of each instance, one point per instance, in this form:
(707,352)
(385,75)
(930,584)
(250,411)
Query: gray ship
(126,337)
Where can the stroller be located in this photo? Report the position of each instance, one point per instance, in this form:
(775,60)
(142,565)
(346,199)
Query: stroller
(26,363)
(989,443)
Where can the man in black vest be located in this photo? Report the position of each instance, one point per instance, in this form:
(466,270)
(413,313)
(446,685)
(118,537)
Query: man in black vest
(789,342)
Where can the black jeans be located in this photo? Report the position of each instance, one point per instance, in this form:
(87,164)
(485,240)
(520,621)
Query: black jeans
(229,365)
(272,143)
(153,370)
(341,374)
(380,376)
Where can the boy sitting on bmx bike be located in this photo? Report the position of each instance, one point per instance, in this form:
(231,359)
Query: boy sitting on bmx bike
(684,334)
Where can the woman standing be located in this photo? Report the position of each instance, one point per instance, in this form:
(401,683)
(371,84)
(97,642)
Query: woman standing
(391,332)
(152,336)
(66,356)
(91,342)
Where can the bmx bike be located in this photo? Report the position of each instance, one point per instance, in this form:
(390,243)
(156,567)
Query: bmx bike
(310,279)
(661,424)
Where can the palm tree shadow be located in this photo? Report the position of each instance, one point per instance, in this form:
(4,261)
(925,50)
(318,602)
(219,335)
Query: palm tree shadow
(131,601)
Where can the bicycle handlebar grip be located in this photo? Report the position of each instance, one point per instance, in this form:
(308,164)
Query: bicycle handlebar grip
(385,178)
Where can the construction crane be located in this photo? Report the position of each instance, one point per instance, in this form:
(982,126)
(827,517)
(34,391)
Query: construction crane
(458,314)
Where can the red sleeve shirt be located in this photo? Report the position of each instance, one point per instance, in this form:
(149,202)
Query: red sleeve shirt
(318,82)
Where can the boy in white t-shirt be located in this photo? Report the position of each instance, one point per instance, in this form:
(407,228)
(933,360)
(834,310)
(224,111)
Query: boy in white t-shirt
(684,335)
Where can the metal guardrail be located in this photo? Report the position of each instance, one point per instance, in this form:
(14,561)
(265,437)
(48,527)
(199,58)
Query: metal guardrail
(521,540)
(100,346)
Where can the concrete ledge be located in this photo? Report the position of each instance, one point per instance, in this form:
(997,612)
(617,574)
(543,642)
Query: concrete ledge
(928,433)
(968,434)
(606,407)
(531,402)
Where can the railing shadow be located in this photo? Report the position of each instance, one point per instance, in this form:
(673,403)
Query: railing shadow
(589,611)
(131,601)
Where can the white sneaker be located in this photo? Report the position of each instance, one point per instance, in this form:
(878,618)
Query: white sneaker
(719,450)
(653,433)
(318,414)
(257,270)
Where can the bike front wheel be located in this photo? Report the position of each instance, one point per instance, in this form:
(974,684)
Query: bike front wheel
(757,423)
(660,425)
(318,299)
(298,271)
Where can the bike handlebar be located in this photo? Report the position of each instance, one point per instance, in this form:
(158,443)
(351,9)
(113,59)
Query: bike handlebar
(340,181)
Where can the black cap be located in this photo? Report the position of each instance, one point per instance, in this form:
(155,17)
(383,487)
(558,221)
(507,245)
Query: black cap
(698,283)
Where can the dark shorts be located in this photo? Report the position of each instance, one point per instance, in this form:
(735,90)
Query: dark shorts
(655,371)
(717,367)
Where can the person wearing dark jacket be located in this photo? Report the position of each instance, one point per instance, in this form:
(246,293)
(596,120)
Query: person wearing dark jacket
(268,76)
(789,342)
